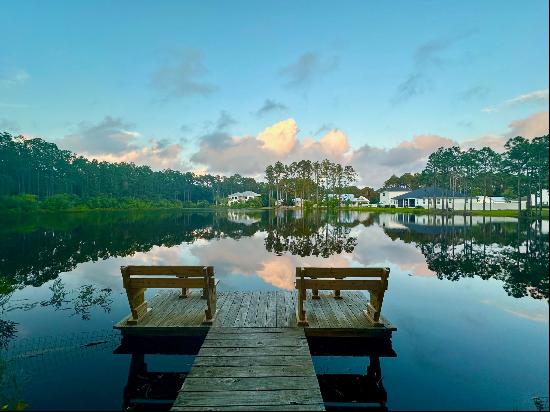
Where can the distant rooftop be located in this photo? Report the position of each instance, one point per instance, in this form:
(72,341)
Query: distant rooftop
(246,193)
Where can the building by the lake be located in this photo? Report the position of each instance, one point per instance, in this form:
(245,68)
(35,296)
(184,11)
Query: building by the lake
(439,198)
(387,195)
(350,199)
(242,196)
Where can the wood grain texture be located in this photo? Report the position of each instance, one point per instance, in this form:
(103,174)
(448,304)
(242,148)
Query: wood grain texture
(252,368)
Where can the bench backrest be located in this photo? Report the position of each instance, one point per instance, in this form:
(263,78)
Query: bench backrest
(335,278)
(165,276)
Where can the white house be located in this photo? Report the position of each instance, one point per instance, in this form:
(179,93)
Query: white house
(438,198)
(387,195)
(360,201)
(242,196)
(350,199)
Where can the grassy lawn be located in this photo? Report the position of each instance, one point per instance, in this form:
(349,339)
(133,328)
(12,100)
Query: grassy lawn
(501,213)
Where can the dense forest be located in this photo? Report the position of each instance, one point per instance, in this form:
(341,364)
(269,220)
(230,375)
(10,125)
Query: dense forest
(35,170)
(521,170)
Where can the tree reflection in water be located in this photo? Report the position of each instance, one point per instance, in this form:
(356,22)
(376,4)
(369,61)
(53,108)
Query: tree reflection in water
(513,251)
(309,235)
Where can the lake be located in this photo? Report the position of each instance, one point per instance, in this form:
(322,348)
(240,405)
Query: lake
(468,295)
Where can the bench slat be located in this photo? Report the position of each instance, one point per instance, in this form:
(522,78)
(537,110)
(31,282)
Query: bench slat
(338,284)
(315,272)
(165,283)
(165,270)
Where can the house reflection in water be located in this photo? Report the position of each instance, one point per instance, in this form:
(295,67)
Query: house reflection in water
(159,366)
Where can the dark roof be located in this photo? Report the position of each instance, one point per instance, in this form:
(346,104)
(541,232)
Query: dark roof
(429,192)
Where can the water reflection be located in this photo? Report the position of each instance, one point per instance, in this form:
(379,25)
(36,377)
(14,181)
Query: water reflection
(34,252)
(511,250)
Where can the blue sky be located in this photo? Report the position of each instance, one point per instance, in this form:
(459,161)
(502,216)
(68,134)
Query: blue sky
(181,84)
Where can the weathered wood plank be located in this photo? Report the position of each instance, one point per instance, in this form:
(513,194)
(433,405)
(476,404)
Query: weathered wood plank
(252,310)
(255,343)
(243,310)
(237,398)
(274,360)
(259,351)
(248,383)
(214,335)
(254,371)
(310,407)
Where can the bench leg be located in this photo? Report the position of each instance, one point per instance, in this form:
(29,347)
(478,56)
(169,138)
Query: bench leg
(301,318)
(315,294)
(375,307)
(209,293)
(184,293)
(337,294)
(138,304)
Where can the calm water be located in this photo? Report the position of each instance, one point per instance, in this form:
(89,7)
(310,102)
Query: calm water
(469,298)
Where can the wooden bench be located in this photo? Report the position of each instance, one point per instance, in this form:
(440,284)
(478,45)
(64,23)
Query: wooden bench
(334,279)
(136,279)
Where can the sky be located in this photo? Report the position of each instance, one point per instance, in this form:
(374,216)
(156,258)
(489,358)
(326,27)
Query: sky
(230,87)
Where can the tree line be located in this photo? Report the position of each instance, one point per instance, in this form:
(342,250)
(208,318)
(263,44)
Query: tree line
(310,181)
(37,167)
(520,171)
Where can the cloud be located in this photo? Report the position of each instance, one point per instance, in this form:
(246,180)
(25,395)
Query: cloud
(427,57)
(113,140)
(532,126)
(529,127)
(111,135)
(158,156)
(185,77)
(220,152)
(537,97)
(279,138)
(10,78)
(375,164)
(249,155)
(225,120)
(270,106)
(308,67)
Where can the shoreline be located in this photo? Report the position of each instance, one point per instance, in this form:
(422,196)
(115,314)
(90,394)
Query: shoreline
(493,213)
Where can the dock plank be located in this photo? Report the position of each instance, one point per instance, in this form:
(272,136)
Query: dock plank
(252,369)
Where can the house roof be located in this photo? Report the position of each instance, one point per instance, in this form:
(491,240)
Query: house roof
(244,194)
(429,192)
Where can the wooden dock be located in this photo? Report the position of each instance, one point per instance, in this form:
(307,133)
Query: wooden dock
(254,355)
(170,315)
(252,369)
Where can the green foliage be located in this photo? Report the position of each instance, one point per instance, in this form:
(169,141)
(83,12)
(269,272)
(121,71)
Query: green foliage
(248,204)
(20,203)
(62,201)
(73,203)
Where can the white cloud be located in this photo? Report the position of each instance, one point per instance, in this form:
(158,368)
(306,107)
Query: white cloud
(113,140)
(534,97)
